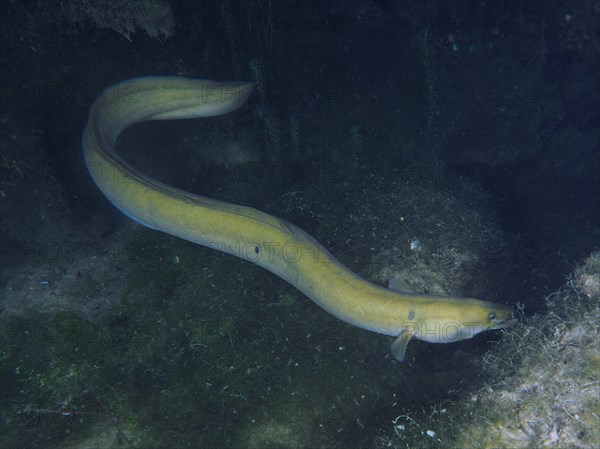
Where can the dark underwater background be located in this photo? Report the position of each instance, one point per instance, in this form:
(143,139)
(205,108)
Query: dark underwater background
(453,144)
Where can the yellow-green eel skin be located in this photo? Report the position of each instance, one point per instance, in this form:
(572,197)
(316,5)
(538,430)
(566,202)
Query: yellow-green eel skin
(272,243)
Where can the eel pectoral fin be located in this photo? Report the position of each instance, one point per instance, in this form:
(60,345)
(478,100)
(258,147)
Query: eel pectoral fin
(398,347)
(399,285)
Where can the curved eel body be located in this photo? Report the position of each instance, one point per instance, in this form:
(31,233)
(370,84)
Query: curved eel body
(272,243)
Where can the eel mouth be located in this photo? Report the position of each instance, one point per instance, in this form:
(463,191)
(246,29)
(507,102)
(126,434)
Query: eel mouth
(507,322)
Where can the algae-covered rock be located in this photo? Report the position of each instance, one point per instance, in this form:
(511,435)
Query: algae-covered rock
(543,381)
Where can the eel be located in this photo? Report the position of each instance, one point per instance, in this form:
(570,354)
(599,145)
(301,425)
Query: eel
(270,242)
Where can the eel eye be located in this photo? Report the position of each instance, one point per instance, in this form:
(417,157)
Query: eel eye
(491,316)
